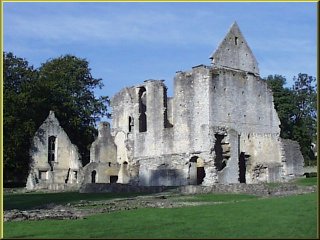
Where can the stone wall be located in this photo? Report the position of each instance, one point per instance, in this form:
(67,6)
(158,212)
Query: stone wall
(55,161)
(119,188)
(219,127)
(292,159)
(103,166)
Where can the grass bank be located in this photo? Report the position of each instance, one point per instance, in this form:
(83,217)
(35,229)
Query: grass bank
(30,200)
(278,217)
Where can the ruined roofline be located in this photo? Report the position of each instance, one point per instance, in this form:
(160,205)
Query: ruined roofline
(139,85)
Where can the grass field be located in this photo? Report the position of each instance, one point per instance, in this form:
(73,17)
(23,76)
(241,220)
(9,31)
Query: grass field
(307,181)
(278,217)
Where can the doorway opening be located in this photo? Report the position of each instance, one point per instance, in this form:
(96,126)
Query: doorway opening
(196,171)
(113,179)
(242,167)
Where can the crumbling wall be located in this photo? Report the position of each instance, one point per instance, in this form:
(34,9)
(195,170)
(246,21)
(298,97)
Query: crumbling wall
(223,115)
(292,159)
(103,149)
(226,156)
(263,153)
(102,172)
(103,166)
(56,164)
(242,102)
(173,170)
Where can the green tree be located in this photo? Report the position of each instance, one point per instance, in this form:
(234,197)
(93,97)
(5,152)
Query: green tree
(284,104)
(296,109)
(64,85)
(305,117)
(18,126)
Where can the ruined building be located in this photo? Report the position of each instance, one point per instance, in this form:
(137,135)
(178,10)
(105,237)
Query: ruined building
(55,161)
(219,127)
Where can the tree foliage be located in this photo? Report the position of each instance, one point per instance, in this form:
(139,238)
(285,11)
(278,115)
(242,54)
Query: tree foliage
(18,126)
(64,85)
(297,111)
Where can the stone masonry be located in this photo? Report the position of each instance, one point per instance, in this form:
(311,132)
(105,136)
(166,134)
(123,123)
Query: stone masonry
(220,127)
(55,161)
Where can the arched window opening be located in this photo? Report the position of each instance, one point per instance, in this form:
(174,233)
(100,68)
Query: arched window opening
(51,151)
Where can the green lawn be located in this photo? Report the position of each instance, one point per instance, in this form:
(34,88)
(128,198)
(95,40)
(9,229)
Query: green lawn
(278,217)
(307,181)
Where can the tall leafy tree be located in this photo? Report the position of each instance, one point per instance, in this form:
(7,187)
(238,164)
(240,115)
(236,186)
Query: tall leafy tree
(296,109)
(284,103)
(64,85)
(19,127)
(305,117)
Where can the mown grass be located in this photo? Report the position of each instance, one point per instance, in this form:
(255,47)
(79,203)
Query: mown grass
(285,217)
(313,181)
(30,200)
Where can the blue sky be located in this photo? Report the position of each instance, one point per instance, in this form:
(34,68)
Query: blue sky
(127,43)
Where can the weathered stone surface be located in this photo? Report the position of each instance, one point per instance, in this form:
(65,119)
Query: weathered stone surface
(55,161)
(292,159)
(254,189)
(103,166)
(58,213)
(220,127)
(222,114)
(119,188)
(234,52)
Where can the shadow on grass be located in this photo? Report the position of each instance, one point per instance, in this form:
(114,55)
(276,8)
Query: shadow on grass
(40,200)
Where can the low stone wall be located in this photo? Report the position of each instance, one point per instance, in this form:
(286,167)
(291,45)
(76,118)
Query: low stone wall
(119,188)
(57,213)
(255,189)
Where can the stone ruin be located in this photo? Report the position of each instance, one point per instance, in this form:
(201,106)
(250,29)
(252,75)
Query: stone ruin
(219,127)
(55,161)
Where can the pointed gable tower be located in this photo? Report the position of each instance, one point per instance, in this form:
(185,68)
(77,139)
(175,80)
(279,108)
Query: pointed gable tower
(235,53)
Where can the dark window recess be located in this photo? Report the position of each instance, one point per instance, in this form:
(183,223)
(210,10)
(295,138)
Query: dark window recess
(166,122)
(113,179)
(219,161)
(51,151)
(130,125)
(93,176)
(243,161)
(142,110)
(236,40)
